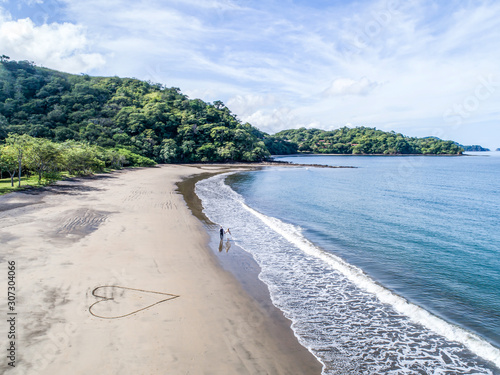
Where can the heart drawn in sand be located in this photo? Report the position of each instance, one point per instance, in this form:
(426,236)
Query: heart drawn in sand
(119,302)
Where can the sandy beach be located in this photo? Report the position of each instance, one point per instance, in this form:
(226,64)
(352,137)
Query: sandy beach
(114,275)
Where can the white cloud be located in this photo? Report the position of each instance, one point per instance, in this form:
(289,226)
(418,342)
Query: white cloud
(245,105)
(272,120)
(4,15)
(347,86)
(62,46)
(31,2)
(392,64)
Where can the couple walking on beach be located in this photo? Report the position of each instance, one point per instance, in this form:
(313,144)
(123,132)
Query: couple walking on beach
(221,231)
(228,243)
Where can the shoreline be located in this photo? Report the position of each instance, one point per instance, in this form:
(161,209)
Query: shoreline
(233,258)
(250,233)
(93,256)
(306,154)
(240,263)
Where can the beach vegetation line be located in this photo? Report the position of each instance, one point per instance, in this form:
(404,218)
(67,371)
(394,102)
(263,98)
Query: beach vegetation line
(32,161)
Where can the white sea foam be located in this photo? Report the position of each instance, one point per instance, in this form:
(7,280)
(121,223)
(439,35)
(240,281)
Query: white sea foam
(419,315)
(351,323)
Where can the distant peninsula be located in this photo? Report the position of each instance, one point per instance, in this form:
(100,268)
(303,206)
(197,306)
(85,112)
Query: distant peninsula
(473,148)
(365,141)
(164,125)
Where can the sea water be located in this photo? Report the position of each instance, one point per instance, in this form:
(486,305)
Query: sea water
(392,267)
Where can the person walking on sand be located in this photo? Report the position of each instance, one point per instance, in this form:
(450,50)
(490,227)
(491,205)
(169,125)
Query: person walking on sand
(221,231)
(228,231)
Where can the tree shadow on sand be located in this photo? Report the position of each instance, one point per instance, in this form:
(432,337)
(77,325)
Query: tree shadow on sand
(70,186)
(66,189)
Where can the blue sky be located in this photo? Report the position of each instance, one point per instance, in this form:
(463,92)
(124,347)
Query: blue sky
(417,67)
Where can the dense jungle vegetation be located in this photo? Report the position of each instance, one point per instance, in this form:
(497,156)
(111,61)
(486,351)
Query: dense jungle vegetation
(363,140)
(148,119)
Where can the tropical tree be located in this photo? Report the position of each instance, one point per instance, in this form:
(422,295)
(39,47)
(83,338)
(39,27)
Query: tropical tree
(20,143)
(43,156)
(81,158)
(112,158)
(8,162)
(169,151)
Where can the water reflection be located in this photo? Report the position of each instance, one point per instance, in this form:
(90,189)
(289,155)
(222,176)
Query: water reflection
(227,245)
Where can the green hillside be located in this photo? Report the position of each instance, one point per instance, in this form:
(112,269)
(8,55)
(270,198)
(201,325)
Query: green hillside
(362,140)
(148,119)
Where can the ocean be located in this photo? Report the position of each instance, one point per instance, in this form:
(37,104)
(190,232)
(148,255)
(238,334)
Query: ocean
(392,267)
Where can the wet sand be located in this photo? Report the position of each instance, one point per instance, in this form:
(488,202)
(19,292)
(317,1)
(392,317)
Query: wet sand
(115,275)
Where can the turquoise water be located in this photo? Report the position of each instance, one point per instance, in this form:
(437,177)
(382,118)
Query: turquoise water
(400,255)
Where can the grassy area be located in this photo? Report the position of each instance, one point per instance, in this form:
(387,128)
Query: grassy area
(5,186)
(32,182)
(27,183)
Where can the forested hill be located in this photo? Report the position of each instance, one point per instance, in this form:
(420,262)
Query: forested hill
(162,123)
(362,140)
(149,119)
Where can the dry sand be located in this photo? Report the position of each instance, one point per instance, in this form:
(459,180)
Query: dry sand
(114,276)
